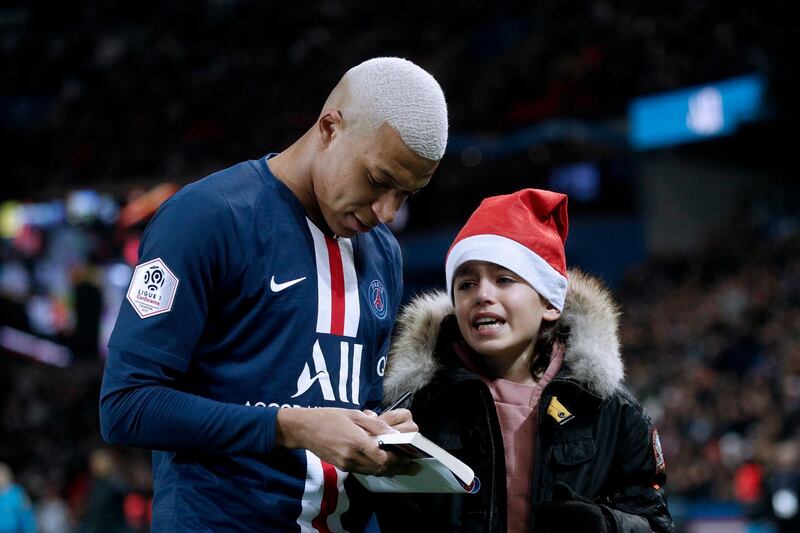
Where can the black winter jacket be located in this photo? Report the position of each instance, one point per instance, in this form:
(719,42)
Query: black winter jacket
(599,441)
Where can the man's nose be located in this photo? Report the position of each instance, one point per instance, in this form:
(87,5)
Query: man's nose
(386,205)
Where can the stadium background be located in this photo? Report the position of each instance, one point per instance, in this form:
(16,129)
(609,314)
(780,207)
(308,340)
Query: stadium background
(106,108)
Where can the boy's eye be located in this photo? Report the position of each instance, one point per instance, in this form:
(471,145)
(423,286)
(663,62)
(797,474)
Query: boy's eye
(464,285)
(505,280)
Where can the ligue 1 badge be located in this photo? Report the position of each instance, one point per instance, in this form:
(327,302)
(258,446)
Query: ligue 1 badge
(377,299)
(152,289)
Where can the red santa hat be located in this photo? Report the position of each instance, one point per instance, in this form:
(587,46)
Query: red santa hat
(523,232)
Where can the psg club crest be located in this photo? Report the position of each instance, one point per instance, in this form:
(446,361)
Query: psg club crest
(152,289)
(377,299)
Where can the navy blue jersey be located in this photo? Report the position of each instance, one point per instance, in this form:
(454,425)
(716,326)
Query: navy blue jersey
(241,305)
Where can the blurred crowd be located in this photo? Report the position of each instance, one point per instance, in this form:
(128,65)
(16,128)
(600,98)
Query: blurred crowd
(113,92)
(712,346)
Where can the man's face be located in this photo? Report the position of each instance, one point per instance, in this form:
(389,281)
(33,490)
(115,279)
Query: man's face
(362,180)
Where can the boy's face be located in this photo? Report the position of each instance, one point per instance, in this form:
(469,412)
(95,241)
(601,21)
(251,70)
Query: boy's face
(498,312)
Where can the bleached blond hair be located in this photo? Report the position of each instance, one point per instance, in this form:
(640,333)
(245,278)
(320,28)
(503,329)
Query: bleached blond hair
(397,92)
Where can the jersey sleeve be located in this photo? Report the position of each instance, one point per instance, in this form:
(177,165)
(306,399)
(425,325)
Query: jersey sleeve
(141,405)
(187,251)
(188,254)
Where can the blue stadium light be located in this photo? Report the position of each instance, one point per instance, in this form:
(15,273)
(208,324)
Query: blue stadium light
(697,113)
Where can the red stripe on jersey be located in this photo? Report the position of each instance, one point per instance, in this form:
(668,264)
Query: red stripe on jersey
(337,286)
(330,497)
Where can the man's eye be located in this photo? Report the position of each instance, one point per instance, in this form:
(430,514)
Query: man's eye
(375,183)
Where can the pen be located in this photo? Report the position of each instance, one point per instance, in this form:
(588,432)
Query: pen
(402,398)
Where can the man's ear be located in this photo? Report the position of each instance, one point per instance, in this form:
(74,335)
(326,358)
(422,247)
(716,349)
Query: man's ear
(551,313)
(328,125)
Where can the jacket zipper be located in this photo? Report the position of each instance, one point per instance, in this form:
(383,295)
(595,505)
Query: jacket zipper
(539,465)
(494,464)
(536,469)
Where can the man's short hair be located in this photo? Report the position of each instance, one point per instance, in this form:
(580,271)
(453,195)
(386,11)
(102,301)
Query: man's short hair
(398,92)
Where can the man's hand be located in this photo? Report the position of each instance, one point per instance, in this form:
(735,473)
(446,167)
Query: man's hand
(399,420)
(344,438)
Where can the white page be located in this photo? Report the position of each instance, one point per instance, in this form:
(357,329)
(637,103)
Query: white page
(432,477)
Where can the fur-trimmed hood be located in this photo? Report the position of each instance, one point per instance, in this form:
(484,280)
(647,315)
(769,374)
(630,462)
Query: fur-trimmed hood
(592,356)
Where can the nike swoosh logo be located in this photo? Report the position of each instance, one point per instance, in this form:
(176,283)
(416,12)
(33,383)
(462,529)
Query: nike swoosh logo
(278,287)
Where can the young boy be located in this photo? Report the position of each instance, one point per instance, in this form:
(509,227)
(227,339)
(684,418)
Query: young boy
(516,370)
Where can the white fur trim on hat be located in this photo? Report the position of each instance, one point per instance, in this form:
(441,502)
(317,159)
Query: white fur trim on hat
(512,255)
